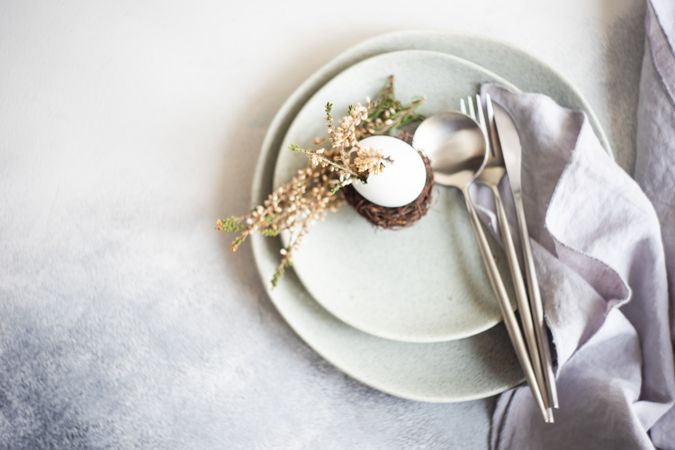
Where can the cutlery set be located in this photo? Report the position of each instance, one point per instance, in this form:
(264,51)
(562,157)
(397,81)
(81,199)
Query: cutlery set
(481,145)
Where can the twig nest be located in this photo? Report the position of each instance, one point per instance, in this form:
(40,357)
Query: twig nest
(401,194)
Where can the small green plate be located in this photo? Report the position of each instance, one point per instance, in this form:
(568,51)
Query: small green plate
(425,283)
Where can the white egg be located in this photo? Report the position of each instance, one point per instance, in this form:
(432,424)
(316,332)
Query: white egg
(401,181)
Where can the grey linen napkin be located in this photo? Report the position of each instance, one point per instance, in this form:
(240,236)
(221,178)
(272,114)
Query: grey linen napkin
(655,159)
(605,256)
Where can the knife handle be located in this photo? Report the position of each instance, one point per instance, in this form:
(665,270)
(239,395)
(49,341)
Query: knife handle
(535,300)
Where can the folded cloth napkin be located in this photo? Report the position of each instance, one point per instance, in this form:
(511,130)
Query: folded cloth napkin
(605,253)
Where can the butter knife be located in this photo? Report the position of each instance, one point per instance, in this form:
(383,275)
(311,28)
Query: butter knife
(512,153)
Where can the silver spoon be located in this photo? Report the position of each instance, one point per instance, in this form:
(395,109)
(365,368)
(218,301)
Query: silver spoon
(457,149)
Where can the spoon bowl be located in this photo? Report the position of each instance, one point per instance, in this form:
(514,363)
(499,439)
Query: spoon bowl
(456,147)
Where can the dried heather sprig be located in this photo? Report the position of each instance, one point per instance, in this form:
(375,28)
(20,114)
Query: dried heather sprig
(315,190)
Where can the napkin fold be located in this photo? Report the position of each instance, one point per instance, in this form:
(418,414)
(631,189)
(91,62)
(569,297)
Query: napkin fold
(604,247)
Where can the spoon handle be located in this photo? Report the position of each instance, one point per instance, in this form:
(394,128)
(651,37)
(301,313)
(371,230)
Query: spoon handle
(510,320)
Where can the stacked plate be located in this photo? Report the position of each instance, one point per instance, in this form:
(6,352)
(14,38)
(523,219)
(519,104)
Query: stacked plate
(408,312)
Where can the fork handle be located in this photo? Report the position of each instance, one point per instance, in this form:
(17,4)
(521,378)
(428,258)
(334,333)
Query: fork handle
(535,300)
(509,316)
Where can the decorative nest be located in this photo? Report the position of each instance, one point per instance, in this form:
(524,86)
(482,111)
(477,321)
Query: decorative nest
(393,218)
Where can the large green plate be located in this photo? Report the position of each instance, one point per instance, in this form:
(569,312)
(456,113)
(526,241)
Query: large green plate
(458,370)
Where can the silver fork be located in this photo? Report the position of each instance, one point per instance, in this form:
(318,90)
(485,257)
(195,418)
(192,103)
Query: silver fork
(491,175)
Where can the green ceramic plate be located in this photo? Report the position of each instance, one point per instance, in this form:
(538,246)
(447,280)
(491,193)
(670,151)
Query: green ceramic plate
(464,369)
(425,283)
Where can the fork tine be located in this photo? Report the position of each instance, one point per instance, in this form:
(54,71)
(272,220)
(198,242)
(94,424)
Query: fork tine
(492,127)
(472,113)
(462,106)
(483,125)
(481,116)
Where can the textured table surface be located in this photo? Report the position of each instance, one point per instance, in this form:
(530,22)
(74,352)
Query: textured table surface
(126,129)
